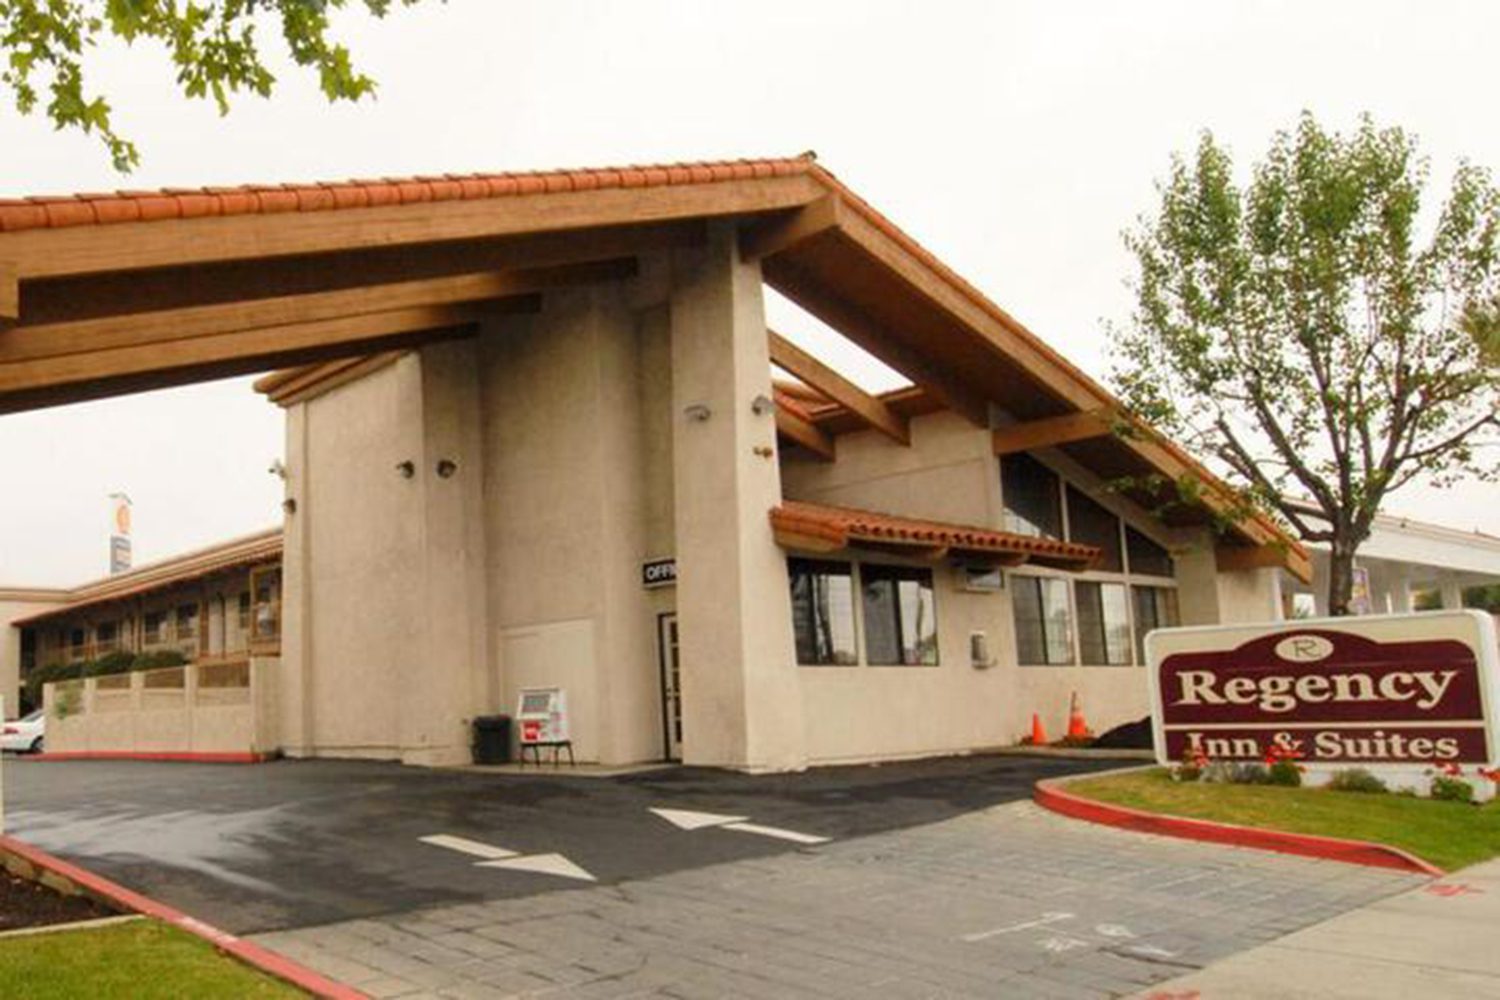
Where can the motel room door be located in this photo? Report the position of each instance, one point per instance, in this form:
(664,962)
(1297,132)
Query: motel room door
(671,683)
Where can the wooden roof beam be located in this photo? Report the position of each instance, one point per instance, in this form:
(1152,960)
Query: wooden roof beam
(782,232)
(830,383)
(804,432)
(177,326)
(70,378)
(1052,431)
(10,294)
(852,322)
(1233,558)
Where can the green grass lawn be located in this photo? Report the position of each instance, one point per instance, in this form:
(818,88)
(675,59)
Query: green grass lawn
(139,960)
(1448,834)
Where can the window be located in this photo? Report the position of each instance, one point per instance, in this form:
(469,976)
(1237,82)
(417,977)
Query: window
(106,635)
(1155,607)
(1146,557)
(265,584)
(823,612)
(1103,623)
(75,641)
(1091,524)
(1032,502)
(1044,627)
(900,616)
(187,622)
(244,611)
(154,622)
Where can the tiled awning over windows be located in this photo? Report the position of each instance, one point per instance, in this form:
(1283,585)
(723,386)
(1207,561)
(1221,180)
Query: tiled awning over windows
(812,527)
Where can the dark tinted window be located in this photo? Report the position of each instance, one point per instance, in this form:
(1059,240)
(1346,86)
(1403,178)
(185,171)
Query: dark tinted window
(900,615)
(823,612)
(1033,504)
(1091,524)
(1146,557)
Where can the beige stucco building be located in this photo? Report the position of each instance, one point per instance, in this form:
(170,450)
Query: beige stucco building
(587,469)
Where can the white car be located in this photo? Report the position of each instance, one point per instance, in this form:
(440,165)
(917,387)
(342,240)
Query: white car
(24,735)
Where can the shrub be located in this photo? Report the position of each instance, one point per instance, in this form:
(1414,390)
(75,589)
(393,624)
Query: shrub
(118,662)
(37,677)
(159,658)
(1284,772)
(1449,789)
(1356,779)
(1193,764)
(1225,772)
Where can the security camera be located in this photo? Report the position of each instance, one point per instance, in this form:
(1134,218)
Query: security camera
(277,468)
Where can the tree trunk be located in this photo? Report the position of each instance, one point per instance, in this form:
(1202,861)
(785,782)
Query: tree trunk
(1340,577)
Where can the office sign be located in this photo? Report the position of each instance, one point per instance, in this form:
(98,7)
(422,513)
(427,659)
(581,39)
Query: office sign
(1401,690)
(659,573)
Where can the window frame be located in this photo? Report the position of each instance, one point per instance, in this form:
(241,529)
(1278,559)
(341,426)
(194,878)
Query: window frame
(1125,577)
(854,616)
(932,585)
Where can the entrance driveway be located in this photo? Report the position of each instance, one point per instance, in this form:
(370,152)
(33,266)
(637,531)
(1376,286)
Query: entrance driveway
(295,843)
(938,879)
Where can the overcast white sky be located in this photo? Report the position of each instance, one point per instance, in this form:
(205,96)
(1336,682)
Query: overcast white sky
(1016,140)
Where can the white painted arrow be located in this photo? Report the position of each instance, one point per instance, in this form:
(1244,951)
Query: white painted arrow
(466,846)
(688,820)
(499,857)
(542,864)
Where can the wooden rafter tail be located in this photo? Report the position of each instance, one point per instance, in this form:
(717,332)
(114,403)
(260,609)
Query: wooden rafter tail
(804,432)
(10,295)
(1049,432)
(877,340)
(789,229)
(830,383)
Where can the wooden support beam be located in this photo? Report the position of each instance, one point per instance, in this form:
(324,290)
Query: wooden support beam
(52,380)
(1233,558)
(176,326)
(805,543)
(804,432)
(830,383)
(10,295)
(782,232)
(852,322)
(1052,431)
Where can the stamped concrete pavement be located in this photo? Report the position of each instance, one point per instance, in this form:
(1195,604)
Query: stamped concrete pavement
(1008,901)
(1437,940)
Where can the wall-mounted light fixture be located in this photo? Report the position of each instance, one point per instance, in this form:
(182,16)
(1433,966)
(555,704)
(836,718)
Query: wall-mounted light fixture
(761,405)
(277,468)
(446,468)
(289,505)
(406,469)
(697,411)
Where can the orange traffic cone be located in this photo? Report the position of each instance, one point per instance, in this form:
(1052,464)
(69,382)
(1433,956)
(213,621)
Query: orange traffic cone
(1038,734)
(1077,727)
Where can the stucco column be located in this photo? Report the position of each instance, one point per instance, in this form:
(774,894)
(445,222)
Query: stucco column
(1401,593)
(1197,582)
(446,685)
(295,704)
(1452,593)
(742,699)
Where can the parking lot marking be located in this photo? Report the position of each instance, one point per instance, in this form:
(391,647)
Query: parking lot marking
(466,846)
(686,819)
(777,832)
(543,864)
(1043,921)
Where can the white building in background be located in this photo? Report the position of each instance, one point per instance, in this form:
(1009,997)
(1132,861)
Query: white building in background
(1402,559)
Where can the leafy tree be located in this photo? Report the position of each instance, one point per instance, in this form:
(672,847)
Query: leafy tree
(1316,331)
(214,44)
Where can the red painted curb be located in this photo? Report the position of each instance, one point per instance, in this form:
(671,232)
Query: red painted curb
(248,952)
(1048,795)
(195,758)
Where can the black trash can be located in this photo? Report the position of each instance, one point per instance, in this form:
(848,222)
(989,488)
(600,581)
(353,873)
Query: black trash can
(492,739)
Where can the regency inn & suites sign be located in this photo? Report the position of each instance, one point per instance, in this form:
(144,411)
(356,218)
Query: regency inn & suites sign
(1379,691)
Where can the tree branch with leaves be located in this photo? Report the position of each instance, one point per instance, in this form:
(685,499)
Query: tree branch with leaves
(214,45)
(1317,331)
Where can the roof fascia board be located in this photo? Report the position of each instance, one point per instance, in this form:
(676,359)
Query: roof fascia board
(86,249)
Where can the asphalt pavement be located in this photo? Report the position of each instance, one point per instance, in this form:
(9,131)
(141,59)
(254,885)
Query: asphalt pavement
(254,848)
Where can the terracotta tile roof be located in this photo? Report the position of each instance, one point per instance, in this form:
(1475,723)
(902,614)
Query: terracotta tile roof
(55,212)
(841,526)
(247,550)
